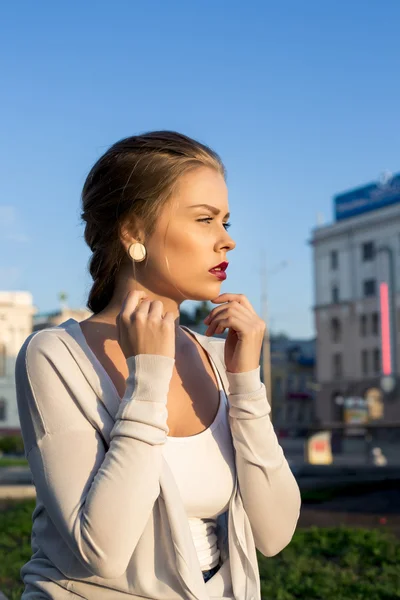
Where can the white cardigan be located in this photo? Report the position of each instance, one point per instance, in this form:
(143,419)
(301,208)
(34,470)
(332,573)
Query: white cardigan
(109,523)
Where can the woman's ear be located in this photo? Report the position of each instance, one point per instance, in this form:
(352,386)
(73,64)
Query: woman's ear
(131,232)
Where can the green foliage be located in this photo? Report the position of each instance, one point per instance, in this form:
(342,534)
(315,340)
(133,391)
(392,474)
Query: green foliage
(334,564)
(185,318)
(11,444)
(319,564)
(13,462)
(15,546)
(202,311)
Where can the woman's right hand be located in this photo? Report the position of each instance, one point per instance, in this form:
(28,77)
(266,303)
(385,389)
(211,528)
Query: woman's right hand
(142,328)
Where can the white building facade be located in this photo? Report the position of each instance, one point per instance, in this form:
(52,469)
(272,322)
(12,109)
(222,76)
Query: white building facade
(357,298)
(16,317)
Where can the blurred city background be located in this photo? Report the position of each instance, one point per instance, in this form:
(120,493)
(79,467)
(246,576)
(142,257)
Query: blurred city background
(301,101)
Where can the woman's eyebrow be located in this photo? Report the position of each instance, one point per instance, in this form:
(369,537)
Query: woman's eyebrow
(213,209)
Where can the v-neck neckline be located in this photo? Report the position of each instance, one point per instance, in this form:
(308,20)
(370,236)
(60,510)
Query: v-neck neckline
(80,338)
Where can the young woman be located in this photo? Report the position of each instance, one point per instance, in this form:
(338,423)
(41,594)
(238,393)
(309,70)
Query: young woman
(157,469)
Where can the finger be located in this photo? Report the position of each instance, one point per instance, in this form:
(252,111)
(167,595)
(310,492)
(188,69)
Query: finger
(169,317)
(156,309)
(240,298)
(142,308)
(219,329)
(224,310)
(131,302)
(230,321)
(227,320)
(233,305)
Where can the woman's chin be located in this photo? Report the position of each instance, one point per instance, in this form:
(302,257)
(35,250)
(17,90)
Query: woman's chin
(207,294)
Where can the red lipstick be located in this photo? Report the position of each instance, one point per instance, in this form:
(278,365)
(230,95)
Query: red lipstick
(219,270)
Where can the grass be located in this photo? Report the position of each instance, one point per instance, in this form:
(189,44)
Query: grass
(319,564)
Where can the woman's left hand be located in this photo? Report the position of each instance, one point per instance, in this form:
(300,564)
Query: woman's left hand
(246,331)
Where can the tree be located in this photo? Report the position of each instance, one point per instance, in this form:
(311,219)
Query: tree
(185,318)
(201,312)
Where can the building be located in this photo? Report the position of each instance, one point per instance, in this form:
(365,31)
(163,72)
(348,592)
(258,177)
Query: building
(357,300)
(293,384)
(16,316)
(50,319)
(18,319)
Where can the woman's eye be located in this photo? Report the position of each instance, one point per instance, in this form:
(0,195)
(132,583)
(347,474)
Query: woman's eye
(208,219)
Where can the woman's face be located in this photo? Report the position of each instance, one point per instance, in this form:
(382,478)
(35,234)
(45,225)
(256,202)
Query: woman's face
(190,239)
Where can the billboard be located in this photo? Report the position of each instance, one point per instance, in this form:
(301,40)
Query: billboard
(367,198)
(318,449)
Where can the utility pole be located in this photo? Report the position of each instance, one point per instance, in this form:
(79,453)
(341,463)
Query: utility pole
(266,366)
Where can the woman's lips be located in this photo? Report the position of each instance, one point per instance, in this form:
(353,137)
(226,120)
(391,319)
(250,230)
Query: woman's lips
(220,274)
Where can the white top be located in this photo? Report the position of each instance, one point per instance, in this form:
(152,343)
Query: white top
(203,466)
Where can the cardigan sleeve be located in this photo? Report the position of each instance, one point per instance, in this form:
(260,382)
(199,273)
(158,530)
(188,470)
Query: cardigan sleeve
(269,490)
(99,498)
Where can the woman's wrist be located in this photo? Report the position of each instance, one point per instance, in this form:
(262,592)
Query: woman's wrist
(245,382)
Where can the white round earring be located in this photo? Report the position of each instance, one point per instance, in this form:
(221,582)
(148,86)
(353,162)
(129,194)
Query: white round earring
(137,252)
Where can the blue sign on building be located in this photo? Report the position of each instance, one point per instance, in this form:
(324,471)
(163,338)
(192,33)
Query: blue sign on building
(367,198)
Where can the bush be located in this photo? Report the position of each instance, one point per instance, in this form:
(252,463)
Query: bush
(319,564)
(15,546)
(12,444)
(8,461)
(334,564)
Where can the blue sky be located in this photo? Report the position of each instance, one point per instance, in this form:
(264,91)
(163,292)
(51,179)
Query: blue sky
(300,99)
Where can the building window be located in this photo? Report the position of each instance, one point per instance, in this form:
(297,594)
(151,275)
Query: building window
(369,287)
(3,358)
(337,365)
(278,386)
(377,360)
(364,362)
(3,409)
(336,330)
(334,260)
(291,413)
(291,382)
(375,323)
(368,251)
(335,294)
(302,387)
(363,325)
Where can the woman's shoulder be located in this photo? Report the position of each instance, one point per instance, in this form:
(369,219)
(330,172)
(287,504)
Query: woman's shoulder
(49,342)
